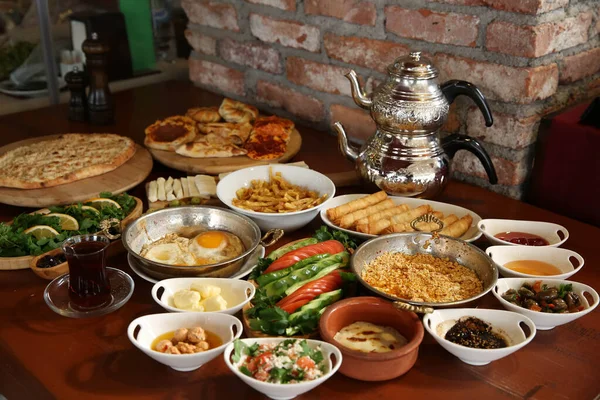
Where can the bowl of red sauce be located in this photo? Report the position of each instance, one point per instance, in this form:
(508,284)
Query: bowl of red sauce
(523,233)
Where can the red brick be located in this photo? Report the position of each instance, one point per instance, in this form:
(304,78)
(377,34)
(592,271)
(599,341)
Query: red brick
(436,27)
(218,76)
(538,40)
(288,5)
(462,2)
(509,173)
(453,122)
(210,13)
(299,104)
(508,130)
(354,11)
(323,77)
(369,53)
(201,43)
(287,33)
(357,123)
(500,82)
(526,6)
(580,65)
(254,55)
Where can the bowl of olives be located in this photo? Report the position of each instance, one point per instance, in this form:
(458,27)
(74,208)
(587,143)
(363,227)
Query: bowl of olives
(50,265)
(547,302)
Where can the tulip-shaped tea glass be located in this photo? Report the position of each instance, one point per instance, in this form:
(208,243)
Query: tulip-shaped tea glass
(89,286)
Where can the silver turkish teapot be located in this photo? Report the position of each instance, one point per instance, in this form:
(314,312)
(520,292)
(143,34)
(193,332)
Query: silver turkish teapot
(405,156)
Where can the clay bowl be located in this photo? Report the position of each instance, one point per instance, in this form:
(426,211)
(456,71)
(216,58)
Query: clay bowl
(373,366)
(52,272)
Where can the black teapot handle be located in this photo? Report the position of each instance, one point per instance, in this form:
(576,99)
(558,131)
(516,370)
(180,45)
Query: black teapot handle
(454,88)
(451,144)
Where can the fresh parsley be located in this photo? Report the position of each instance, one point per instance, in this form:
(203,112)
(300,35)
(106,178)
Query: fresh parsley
(244,370)
(564,289)
(261,266)
(324,233)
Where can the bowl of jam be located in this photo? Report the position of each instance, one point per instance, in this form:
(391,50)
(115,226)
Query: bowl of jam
(523,233)
(50,265)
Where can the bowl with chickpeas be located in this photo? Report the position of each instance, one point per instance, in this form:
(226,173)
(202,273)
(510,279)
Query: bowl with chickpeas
(184,341)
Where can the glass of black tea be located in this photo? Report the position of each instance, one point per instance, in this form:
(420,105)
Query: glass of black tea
(89,286)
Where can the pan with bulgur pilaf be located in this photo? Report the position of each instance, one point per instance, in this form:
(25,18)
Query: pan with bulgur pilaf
(423,270)
(421,277)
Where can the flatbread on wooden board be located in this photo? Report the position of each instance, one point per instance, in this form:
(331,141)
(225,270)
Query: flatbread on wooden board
(68,158)
(210,146)
(170,133)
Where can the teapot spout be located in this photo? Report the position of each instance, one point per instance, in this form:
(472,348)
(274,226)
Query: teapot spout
(345,148)
(359,96)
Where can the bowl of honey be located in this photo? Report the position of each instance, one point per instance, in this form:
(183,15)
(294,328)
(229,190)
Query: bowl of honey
(535,262)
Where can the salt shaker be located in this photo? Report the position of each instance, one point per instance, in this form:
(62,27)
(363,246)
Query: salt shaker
(101,107)
(77,82)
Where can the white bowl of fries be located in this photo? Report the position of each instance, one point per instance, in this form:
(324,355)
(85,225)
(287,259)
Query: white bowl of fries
(276,196)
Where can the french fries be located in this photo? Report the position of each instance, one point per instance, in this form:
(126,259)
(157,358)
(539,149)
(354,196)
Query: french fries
(276,196)
(377,214)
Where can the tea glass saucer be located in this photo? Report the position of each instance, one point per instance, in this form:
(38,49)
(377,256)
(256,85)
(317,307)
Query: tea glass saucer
(56,295)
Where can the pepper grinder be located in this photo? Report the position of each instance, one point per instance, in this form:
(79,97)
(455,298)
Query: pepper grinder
(101,107)
(76,82)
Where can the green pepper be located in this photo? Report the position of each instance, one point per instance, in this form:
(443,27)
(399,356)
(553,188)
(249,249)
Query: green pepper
(275,275)
(289,247)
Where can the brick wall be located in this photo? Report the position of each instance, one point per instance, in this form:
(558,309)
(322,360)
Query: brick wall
(529,57)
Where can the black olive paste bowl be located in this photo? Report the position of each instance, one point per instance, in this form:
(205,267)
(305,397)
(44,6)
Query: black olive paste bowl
(51,272)
(506,324)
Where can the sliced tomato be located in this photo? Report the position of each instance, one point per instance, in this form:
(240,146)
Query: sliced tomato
(292,307)
(291,258)
(311,290)
(305,362)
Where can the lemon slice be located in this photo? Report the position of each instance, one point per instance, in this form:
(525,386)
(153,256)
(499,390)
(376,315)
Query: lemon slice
(90,209)
(42,231)
(67,222)
(99,202)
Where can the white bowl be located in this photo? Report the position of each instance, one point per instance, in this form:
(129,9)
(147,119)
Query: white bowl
(504,322)
(237,293)
(545,321)
(308,178)
(290,390)
(470,235)
(225,326)
(547,230)
(560,258)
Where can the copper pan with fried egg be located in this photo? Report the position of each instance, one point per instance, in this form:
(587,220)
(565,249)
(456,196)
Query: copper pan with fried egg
(189,221)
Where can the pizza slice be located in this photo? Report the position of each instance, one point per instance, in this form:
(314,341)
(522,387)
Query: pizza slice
(237,133)
(170,133)
(269,138)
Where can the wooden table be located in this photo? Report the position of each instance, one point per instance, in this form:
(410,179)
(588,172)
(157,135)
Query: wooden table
(44,355)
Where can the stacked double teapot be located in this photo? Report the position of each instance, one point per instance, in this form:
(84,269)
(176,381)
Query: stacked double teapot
(405,156)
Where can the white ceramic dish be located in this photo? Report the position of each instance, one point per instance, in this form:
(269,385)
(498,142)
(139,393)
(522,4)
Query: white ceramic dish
(227,327)
(237,293)
(562,259)
(471,235)
(547,230)
(545,321)
(505,323)
(242,273)
(291,390)
(289,222)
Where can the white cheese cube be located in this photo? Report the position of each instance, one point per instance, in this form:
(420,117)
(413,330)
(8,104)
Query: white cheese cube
(214,303)
(205,290)
(188,300)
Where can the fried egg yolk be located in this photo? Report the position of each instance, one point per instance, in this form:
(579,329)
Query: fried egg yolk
(211,240)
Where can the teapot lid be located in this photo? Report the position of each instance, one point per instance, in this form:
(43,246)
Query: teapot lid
(413,66)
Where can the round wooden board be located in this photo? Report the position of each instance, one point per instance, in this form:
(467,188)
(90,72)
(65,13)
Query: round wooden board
(128,175)
(218,165)
(116,247)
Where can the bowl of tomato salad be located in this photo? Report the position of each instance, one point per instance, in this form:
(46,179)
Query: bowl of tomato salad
(282,368)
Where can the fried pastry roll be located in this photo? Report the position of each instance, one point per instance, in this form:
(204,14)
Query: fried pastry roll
(362,225)
(349,220)
(407,216)
(335,214)
(458,228)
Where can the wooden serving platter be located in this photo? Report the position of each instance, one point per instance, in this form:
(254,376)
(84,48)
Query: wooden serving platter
(218,165)
(128,175)
(116,247)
